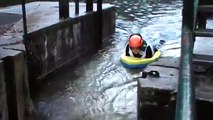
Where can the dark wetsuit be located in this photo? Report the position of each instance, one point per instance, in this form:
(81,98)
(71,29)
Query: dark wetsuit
(146,47)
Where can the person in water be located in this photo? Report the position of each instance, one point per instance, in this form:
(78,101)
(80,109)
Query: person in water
(137,47)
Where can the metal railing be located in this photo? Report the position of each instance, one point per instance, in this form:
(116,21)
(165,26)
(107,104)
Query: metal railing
(185,106)
(24,25)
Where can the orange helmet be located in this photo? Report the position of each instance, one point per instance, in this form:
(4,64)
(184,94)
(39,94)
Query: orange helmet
(135,41)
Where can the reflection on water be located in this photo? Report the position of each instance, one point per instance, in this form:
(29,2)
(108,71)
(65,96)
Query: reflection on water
(98,87)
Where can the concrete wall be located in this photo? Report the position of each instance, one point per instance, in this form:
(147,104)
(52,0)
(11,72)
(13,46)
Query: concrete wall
(3,96)
(108,22)
(17,87)
(56,45)
(49,48)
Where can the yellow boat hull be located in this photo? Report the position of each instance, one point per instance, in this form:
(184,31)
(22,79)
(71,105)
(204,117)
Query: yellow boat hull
(132,62)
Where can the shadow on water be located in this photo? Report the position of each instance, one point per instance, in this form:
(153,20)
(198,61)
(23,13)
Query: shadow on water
(97,86)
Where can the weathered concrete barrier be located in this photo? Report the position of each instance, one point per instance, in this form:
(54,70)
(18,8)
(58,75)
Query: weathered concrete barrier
(17,87)
(51,43)
(108,22)
(53,46)
(3,96)
(204,95)
(156,96)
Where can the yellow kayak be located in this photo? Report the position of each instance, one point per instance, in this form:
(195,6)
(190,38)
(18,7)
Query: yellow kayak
(132,62)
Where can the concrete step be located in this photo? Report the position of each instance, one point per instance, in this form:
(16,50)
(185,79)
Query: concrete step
(16,83)
(205,8)
(202,62)
(167,62)
(202,53)
(156,97)
(204,87)
(203,59)
(203,32)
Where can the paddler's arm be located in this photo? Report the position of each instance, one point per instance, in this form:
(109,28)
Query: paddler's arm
(127,50)
(148,52)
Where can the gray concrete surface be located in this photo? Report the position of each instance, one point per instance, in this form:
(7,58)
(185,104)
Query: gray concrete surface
(17,87)
(166,86)
(204,90)
(39,15)
(42,14)
(202,50)
(168,79)
(156,96)
(7,18)
(3,95)
(53,42)
(170,62)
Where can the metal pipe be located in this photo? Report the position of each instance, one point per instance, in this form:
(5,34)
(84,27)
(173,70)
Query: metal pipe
(185,106)
(25,36)
(24,19)
(196,3)
(76,7)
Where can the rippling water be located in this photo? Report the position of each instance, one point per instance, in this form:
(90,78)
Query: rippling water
(98,87)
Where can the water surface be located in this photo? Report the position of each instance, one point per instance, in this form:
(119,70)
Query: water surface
(98,87)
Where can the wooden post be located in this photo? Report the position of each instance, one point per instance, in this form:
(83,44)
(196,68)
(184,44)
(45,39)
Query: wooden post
(89,5)
(100,21)
(17,87)
(63,9)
